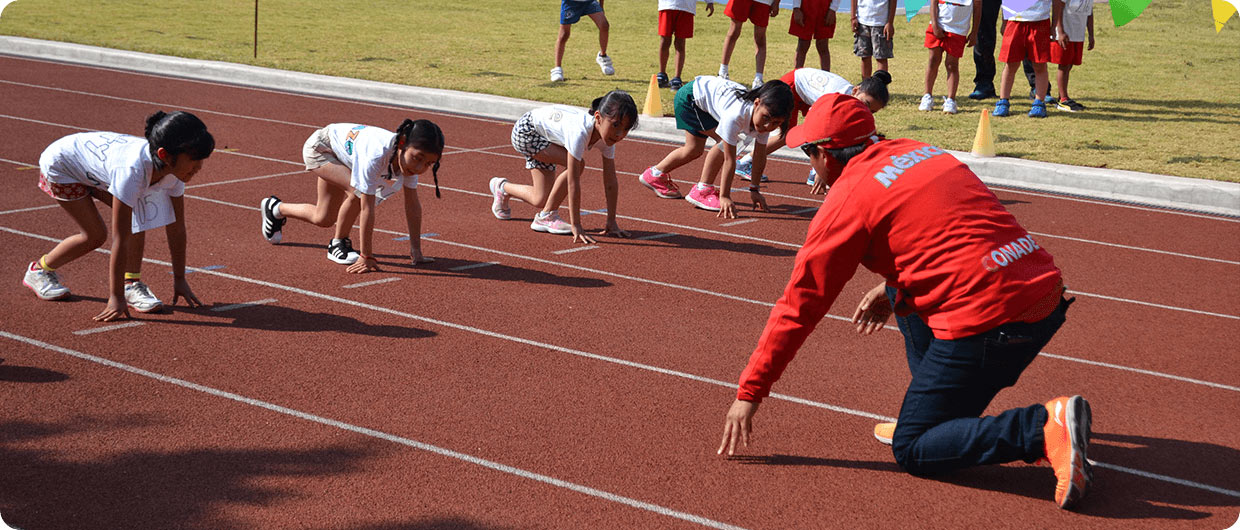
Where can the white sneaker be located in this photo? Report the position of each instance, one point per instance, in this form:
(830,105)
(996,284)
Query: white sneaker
(757,81)
(272,227)
(499,205)
(341,251)
(45,284)
(949,105)
(813,176)
(927,103)
(550,223)
(557,74)
(604,64)
(139,297)
(723,71)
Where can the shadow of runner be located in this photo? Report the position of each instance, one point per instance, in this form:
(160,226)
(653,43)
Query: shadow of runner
(435,523)
(270,317)
(795,460)
(500,271)
(29,374)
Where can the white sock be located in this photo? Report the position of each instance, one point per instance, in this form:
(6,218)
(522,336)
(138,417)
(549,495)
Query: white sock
(745,160)
(276,211)
(655,171)
(704,186)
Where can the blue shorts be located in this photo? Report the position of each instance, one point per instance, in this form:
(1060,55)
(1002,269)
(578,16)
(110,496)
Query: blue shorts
(572,10)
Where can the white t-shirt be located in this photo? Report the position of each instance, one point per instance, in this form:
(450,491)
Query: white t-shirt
(1040,10)
(367,152)
(1076,15)
(116,163)
(678,5)
(956,16)
(812,83)
(874,12)
(569,127)
(718,96)
(835,4)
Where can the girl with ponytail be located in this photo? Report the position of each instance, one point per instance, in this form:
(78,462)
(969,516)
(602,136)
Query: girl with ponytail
(359,167)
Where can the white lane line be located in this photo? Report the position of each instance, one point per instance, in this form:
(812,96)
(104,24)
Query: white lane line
(16,163)
(374,282)
(1141,371)
(102,329)
(1151,304)
(707,292)
(658,236)
(1116,204)
(574,249)
(1130,247)
(31,209)
(1173,480)
(741,221)
(234,181)
(231,307)
(458,150)
(388,437)
(474,266)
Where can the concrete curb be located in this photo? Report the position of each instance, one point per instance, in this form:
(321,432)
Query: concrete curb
(1214,197)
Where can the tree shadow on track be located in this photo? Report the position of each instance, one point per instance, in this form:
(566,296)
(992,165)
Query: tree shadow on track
(29,374)
(270,317)
(499,271)
(436,523)
(45,486)
(795,460)
(691,242)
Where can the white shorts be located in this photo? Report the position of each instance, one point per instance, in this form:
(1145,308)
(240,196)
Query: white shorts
(317,152)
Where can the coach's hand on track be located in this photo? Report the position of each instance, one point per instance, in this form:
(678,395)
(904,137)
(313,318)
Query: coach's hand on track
(579,235)
(613,230)
(419,259)
(873,311)
(363,266)
(181,290)
(759,202)
(115,310)
(738,426)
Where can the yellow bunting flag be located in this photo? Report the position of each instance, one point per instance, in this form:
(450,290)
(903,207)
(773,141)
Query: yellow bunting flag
(1223,10)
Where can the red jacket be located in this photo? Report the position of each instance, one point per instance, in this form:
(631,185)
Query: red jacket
(918,217)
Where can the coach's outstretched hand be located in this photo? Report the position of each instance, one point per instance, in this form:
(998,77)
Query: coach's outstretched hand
(873,311)
(738,426)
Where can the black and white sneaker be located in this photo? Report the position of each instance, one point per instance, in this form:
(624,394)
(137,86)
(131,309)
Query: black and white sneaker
(341,251)
(271,225)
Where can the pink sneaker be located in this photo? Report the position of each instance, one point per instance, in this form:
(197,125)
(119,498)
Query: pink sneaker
(662,186)
(551,224)
(499,206)
(706,199)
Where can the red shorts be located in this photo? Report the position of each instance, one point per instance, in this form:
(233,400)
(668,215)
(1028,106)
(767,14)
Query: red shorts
(63,192)
(1023,40)
(674,22)
(1070,55)
(815,13)
(752,10)
(951,43)
(799,106)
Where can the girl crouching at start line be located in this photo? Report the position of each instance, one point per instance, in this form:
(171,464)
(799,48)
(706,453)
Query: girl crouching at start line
(358,167)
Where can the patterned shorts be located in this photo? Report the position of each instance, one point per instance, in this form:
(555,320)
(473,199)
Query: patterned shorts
(528,142)
(63,192)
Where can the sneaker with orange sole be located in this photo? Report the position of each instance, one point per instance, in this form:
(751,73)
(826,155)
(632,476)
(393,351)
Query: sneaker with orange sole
(884,431)
(1066,437)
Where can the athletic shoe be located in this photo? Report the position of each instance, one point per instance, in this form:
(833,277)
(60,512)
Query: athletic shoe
(927,103)
(883,432)
(1038,110)
(949,106)
(557,74)
(813,176)
(499,206)
(1050,101)
(662,77)
(272,226)
(676,83)
(744,168)
(139,297)
(723,71)
(982,93)
(757,81)
(662,185)
(1066,437)
(604,64)
(705,198)
(1070,105)
(341,251)
(1001,108)
(45,284)
(551,224)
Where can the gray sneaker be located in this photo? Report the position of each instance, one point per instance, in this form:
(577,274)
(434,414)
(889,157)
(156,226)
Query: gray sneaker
(139,297)
(45,284)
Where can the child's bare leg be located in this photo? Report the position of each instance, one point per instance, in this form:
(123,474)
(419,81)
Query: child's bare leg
(953,75)
(932,69)
(349,210)
(133,254)
(882,64)
(712,165)
(560,41)
(1009,75)
(1061,80)
(759,42)
(867,68)
(333,189)
(543,179)
(824,53)
(604,27)
(665,44)
(729,41)
(557,193)
(92,233)
(683,154)
(1043,80)
(680,55)
(802,50)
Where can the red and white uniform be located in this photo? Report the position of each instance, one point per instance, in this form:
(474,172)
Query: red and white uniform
(809,84)
(955,17)
(915,215)
(1076,15)
(676,18)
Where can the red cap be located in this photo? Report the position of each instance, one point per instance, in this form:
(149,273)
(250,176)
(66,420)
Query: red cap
(835,120)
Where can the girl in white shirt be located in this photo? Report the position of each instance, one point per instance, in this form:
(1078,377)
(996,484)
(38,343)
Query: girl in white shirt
(714,107)
(143,180)
(358,167)
(559,134)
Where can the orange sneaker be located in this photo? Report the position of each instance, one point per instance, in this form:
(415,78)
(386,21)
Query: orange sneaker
(1066,437)
(884,431)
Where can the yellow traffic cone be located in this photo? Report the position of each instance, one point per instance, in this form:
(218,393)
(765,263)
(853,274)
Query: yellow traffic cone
(654,105)
(984,142)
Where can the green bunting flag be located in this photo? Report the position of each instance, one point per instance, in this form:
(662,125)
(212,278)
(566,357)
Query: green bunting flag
(1123,11)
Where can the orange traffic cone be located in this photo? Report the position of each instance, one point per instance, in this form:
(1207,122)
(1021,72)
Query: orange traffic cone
(984,142)
(654,105)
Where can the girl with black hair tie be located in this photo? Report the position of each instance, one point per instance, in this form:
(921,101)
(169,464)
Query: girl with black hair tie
(358,167)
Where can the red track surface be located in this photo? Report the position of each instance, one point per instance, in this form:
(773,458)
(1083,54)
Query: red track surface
(549,363)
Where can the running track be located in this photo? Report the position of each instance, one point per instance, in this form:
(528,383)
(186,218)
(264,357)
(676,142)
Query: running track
(512,384)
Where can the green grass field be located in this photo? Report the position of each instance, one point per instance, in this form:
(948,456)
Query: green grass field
(1163,91)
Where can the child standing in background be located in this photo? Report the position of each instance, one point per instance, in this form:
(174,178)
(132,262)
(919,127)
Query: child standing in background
(757,12)
(813,20)
(872,25)
(949,21)
(1068,50)
(1027,34)
(676,25)
(570,12)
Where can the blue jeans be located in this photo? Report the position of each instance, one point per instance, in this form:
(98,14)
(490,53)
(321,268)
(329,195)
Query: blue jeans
(940,428)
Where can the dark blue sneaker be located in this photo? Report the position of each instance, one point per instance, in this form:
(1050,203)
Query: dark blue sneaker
(1038,110)
(983,93)
(662,77)
(676,83)
(1001,108)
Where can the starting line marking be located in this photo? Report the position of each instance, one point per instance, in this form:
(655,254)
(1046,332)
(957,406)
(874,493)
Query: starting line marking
(375,282)
(489,464)
(231,307)
(740,222)
(207,268)
(574,249)
(102,329)
(474,266)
